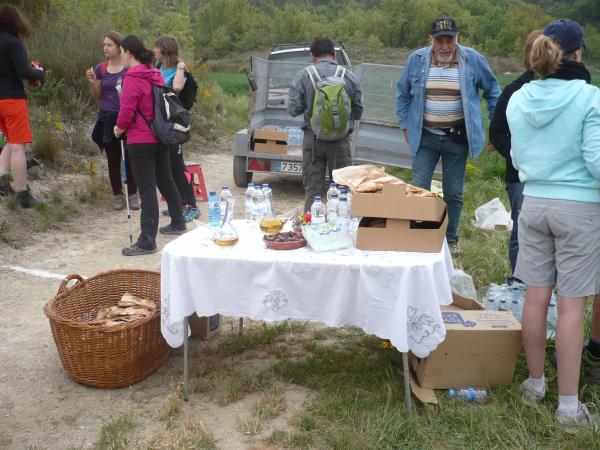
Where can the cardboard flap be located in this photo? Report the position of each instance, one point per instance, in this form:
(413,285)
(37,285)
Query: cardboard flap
(423,394)
(271,134)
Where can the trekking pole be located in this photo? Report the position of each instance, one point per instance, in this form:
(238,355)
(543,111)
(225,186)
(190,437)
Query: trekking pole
(126,190)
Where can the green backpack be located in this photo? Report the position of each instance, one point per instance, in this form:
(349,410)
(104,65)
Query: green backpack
(330,117)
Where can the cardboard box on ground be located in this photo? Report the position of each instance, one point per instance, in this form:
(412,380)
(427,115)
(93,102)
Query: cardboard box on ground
(394,220)
(480,350)
(205,327)
(269,141)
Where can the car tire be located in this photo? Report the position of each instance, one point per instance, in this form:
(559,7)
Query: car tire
(241,177)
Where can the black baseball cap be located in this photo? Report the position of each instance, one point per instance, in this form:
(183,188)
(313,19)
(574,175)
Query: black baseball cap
(568,32)
(443,26)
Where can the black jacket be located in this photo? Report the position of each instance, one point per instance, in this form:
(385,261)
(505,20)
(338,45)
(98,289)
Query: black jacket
(499,131)
(14,66)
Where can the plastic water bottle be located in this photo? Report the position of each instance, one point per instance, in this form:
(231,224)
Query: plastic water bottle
(258,199)
(268,193)
(249,203)
(332,190)
(317,211)
(469,394)
(343,211)
(223,198)
(214,213)
(332,208)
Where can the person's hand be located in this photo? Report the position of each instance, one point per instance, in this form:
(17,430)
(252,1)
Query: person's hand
(118,132)
(405,134)
(181,65)
(90,74)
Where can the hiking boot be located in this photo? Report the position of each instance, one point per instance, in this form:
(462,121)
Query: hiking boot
(118,202)
(5,187)
(589,363)
(453,247)
(530,395)
(583,420)
(134,202)
(170,229)
(26,200)
(190,213)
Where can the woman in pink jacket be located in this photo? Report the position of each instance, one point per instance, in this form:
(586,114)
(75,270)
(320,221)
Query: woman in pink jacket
(149,158)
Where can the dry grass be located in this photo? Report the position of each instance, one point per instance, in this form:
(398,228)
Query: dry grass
(192,434)
(171,405)
(112,433)
(272,401)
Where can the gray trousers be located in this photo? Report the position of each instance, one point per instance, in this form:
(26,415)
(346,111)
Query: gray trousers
(317,156)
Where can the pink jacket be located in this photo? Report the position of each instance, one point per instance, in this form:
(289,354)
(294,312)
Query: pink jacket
(136,94)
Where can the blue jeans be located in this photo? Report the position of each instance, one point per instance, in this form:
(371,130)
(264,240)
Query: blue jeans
(454,164)
(515,197)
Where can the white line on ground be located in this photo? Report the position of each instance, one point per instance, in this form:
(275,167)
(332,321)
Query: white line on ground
(36,272)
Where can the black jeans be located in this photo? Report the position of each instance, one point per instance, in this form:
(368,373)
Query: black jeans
(150,166)
(185,188)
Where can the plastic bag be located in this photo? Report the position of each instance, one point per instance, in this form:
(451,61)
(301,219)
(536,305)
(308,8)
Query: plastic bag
(462,284)
(492,215)
(327,237)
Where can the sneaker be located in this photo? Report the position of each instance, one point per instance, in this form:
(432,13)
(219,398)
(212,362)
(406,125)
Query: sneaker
(136,250)
(5,187)
(589,363)
(453,247)
(118,202)
(583,420)
(26,199)
(531,396)
(170,229)
(190,213)
(134,202)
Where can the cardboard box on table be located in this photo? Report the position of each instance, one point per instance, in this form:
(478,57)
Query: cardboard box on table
(412,223)
(480,350)
(269,141)
(205,327)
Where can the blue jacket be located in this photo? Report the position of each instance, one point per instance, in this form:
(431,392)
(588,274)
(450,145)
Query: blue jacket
(555,129)
(474,73)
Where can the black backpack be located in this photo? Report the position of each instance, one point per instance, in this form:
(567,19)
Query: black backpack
(171,124)
(189,92)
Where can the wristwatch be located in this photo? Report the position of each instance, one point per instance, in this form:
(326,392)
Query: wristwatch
(181,66)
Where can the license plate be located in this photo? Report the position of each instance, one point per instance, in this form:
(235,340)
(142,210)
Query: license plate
(289,167)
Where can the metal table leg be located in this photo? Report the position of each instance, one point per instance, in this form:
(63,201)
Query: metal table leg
(185,359)
(407,397)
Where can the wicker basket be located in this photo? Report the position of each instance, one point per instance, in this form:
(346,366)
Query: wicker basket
(107,356)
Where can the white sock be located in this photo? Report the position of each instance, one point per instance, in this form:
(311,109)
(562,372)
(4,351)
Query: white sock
(568,404)
(539,384)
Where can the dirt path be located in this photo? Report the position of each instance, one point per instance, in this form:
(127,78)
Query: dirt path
(40,407)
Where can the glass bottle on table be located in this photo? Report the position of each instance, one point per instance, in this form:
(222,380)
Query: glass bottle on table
(317,211)
(226,235)
(225,196)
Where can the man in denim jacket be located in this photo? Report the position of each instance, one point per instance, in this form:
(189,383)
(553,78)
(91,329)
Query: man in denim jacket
(438,107)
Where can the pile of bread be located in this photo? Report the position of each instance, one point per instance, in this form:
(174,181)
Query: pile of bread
(370,178)
(129,309)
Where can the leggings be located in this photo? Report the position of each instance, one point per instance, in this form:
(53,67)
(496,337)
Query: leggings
(185,187)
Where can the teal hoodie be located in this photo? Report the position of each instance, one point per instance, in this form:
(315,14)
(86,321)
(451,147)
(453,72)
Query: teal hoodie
(555,129)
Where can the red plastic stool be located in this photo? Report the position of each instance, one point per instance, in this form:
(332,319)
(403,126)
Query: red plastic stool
(193,172)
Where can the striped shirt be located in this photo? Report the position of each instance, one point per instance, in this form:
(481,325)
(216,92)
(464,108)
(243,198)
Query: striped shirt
(443,103)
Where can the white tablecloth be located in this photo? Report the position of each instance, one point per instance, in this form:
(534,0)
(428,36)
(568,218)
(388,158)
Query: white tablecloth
(394,295)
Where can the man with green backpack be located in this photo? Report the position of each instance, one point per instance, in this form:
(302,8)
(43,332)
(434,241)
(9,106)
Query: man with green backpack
(330,97)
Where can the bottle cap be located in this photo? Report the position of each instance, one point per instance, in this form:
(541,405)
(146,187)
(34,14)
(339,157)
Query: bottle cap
(332,184)
(225,187)
(317,197)
(212,193)
(451,392)
(343,199)
(334,196)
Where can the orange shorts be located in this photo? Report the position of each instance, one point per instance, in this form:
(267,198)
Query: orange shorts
(14,120)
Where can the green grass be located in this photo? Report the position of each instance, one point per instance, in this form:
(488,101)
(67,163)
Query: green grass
(53,212)
(359,404)
(233,84)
